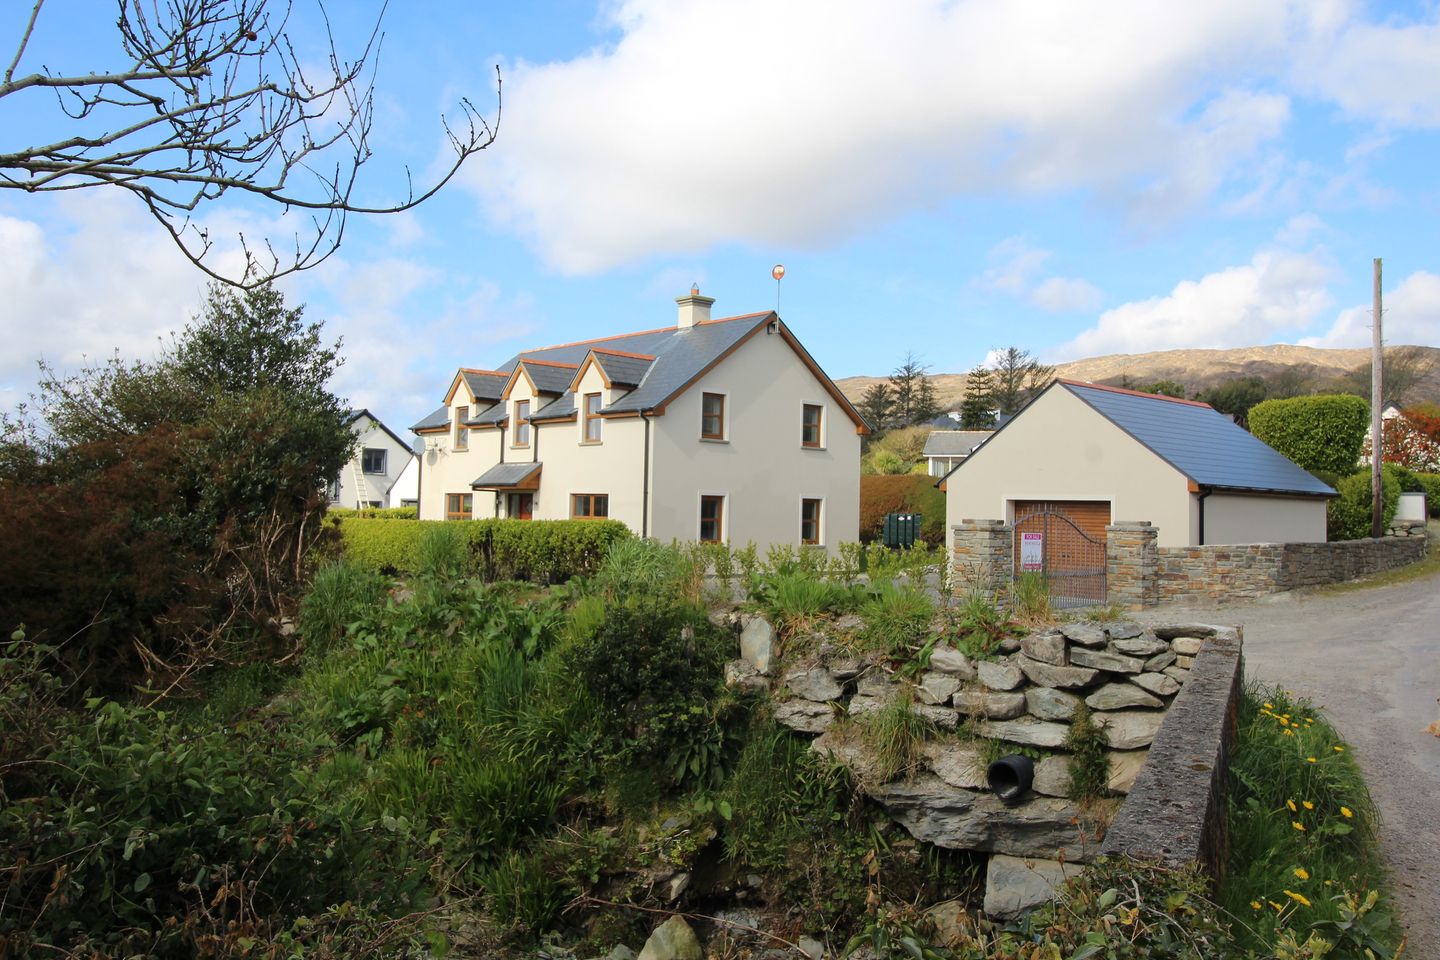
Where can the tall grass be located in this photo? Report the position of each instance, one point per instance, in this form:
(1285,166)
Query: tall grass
(1030,600)
(895,735)
(440,552)
(341,592)
(1302,830)
(897,618)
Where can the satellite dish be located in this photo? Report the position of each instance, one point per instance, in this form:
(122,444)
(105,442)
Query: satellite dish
(778,271)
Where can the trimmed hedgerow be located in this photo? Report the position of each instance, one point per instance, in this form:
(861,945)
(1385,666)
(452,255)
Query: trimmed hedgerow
(1322,433)
(1348,515)
(1430,482)
(549,550)
(904,493)
(375,513)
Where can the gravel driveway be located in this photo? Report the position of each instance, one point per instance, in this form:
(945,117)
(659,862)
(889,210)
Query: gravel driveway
(1371,659)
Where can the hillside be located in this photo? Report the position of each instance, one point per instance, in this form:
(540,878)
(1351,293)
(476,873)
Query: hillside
(1195,369)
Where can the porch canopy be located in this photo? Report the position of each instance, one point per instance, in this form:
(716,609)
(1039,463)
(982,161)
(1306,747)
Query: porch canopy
(509,476)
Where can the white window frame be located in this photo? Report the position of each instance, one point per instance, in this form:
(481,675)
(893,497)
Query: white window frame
(819,523)
(384,461)
(724,496)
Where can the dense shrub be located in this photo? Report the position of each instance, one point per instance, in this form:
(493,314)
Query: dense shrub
(548,550)
(1319,433)
(1430,483)
(1347,517)
(375,513)
(910,493)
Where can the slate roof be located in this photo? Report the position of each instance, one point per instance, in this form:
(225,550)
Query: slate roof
(1201,443)
(954,443)
(483,415)
(625,371)
(485,385)
(677,355)
(434,420)
(504,475)
(547,376)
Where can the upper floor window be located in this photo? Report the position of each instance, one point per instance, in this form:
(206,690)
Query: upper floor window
(372,460)
(522,423)
(592,418)
(457,506)
(810,521)
(462,433)
(590,506)
(810,424)
(334,490)
(712,519)
(712,416)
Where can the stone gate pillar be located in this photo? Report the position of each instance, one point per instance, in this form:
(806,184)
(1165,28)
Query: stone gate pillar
(1132,564)
(984,557)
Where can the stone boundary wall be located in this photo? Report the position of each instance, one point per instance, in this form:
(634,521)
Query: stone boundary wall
(983,557)
(1141,574)
(1175,812)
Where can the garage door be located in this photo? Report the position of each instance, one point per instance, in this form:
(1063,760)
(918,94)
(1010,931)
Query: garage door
(1065,541)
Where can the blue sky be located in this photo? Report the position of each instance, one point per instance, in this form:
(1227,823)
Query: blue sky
(942,178)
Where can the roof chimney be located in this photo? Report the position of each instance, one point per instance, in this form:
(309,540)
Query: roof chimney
(693,309)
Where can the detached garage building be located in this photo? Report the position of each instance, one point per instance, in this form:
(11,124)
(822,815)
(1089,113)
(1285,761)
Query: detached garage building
(1098,455)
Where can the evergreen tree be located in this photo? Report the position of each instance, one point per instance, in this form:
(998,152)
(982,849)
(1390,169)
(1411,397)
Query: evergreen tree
(913,394)
(1017,378)
(875,407)
(977,410)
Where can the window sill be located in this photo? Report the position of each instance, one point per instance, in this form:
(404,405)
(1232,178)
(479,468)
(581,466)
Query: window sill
(816,449)
(714,440)
(591,443)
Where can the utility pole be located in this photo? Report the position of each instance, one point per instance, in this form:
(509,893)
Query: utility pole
(1377,439)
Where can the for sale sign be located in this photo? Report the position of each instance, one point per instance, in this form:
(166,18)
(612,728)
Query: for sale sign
(1032,552)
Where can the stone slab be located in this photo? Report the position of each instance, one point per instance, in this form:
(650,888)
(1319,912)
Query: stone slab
(1117,696)
(1049,675)
(757,643)
(814,684)
(949,660)
(958,764)
(1128,729)
(1105,660)
(1049,704)
(1085,634)
(1157,683)
(805,716)
(1000,674)
(1045,647)
(937,688)
(1145,645)
(1016,885)
(1027,731)
(987,703)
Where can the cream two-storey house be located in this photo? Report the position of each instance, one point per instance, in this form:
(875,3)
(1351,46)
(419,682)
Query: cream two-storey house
(715,430)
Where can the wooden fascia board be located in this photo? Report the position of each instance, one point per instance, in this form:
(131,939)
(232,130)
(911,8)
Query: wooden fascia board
(455,385)
(659,408)
(585,365)
(515,374)
(622,415)
(861,427)
(568,418)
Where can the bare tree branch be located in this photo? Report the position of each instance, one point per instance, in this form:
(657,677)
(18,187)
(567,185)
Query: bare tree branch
(213,99)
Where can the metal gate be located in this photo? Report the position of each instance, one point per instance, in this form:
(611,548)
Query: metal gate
(1049,542)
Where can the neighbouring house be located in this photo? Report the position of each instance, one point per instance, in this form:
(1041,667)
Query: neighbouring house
(1417,449)
(714,430)
(944,449)
(1084,456)
(384,471)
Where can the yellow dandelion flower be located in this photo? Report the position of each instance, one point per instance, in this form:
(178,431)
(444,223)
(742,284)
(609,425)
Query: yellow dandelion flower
(1307,804)
(1283,721)
(1311,760)
(1298,825)
(1255,904)
(1289,732)
(1269,706)
(1298,898)
(1284,716)
(1346,812)
(1329,883)
(1339,749)
(1302,873)
(1278,906)
(1291,805)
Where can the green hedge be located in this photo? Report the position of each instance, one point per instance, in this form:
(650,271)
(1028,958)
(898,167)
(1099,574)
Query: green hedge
(546,551)
(1431,484)
(375,513)
(1322,433)
(1348,515)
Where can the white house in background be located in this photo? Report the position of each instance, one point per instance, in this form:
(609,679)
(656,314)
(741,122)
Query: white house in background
(384,471)
(944,449)
(1420,447)
(1100,455)
(714,430)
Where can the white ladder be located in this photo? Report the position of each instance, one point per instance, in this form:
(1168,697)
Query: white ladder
(362,492)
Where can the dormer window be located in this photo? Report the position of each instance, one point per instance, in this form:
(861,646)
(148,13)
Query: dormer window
(522,423)
(462,433)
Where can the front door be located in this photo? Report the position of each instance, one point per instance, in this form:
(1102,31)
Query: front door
(520,506)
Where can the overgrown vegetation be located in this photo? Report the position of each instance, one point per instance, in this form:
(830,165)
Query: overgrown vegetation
(1304,857)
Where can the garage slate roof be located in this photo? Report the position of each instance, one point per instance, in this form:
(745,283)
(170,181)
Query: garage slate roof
(1201,443)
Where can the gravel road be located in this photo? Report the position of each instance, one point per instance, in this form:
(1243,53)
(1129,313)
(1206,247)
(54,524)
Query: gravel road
(1371,660)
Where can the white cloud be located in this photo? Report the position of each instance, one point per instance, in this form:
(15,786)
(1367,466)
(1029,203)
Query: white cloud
(1016,269)
(1276,293)
(797,123)
(1412,315)
(1385,72)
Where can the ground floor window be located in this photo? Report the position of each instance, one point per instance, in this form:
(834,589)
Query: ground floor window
(589,506)
(712,518)
(457,506)
(810,521)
